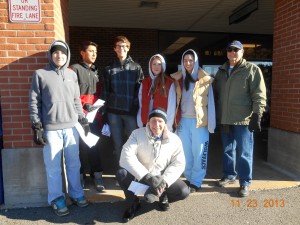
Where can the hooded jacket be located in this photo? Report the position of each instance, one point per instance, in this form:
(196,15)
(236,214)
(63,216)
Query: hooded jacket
(147,101)
(202,96)
(54,96)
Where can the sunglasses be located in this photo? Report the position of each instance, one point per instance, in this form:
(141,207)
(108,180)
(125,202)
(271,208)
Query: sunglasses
(232,49)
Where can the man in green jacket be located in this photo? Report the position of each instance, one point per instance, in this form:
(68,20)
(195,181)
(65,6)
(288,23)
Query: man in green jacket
(241,99)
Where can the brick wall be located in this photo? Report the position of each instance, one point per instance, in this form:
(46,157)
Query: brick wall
(285,109)
(22,51)
(144,43)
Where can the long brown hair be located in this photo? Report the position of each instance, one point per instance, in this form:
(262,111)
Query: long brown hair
(159,82)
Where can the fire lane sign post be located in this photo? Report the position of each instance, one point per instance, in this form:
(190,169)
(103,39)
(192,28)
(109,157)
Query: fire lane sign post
(24,11)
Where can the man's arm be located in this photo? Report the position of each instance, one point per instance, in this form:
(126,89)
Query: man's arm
(35,100)
(258,92)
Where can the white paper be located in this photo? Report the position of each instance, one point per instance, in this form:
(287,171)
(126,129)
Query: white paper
(138,188)
(91,139)
(106,130)
(91,115)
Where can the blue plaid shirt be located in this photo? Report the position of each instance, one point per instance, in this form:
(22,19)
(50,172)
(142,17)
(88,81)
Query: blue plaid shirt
(121,86)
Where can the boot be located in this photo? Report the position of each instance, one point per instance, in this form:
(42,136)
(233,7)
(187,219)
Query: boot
(98,181)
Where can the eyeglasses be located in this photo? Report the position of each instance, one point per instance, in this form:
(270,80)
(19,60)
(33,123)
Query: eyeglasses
(122,46)
(232,49)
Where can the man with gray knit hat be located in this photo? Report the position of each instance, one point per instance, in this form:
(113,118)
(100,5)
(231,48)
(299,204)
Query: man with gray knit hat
(55,108)
(154,156)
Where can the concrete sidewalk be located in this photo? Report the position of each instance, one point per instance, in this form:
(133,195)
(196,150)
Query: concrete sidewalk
(265,176)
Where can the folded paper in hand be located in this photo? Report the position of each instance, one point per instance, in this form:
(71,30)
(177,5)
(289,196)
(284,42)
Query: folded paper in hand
(105,130)
(91,139)
(91,115)
(138,188)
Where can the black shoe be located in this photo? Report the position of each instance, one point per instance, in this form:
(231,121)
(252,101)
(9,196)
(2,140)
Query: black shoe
(194,188)
(130,213)
(244,191)
(163,203)
(224,181)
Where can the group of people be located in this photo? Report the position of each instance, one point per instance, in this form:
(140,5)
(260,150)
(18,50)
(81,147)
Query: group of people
(159,124)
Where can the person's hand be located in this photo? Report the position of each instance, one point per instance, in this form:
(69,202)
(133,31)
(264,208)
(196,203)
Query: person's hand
(161,187)
(85,125)
(152,181)
(38,134)
(254,124)
(89,107)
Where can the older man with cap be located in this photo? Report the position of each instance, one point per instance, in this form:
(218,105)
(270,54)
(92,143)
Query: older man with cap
(241,99)
(153,156)
(55,108)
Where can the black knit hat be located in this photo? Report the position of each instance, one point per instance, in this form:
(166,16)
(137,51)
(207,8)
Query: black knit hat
(59,46)
(158,112)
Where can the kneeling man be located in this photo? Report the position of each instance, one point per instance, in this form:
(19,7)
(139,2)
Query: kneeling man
(154,156)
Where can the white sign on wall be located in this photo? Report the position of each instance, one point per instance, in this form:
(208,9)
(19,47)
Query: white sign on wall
(24,11)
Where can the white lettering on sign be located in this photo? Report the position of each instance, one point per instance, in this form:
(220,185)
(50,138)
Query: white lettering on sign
(24,11)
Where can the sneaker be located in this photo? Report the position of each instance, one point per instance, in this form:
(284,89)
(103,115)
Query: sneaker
(224,181)
(164,202)
(59,206)
(244,191)
(80,202)
(194,188)
(98,181)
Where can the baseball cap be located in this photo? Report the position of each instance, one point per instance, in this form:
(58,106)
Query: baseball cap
(235,44)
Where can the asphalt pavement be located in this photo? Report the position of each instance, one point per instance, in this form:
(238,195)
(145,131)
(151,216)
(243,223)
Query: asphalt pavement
(274,199)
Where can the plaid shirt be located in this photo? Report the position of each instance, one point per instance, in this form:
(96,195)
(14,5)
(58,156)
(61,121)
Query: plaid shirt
(121,86)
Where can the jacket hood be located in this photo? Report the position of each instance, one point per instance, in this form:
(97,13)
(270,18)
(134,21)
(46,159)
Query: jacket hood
(51,63)
(196,65)
(163,62)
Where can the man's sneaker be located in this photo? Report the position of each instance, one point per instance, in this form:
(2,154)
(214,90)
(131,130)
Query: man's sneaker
(224,181)
(163,203)
(59,206)
(98,181)
(244,191)
(194,188)
(80,202)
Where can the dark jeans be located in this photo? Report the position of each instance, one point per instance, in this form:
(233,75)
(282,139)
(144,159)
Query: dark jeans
(119,123)
(93,154)
(177,191)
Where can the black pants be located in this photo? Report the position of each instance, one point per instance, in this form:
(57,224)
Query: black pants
(92,154)
(177,191)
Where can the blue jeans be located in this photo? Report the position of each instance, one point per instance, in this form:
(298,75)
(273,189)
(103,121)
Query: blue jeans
(241,138)
(117,124)
(195,146)
(59,140)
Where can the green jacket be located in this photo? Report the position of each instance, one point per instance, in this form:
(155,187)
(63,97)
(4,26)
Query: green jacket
(239,94)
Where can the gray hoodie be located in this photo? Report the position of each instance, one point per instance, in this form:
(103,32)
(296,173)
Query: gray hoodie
(54,97)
